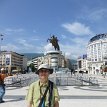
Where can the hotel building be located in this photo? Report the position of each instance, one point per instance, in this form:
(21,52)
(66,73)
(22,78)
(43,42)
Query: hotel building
(97,53)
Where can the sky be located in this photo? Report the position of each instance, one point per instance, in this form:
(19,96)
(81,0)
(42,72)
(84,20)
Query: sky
(27,24)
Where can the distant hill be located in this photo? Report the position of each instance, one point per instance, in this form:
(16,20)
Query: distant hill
(32,55)
(73,61)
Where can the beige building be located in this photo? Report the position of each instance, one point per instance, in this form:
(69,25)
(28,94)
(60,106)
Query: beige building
(12,61)
(82,64)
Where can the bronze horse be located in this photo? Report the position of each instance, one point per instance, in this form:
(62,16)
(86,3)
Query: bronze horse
(54,41)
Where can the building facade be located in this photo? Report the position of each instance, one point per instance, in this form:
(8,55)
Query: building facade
(97,53)
(12,61)
(55,59)
(82,64)
(38,61)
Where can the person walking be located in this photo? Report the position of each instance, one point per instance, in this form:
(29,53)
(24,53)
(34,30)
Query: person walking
(2,85)
(43,92)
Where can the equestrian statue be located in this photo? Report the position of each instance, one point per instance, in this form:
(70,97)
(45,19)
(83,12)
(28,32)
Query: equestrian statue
(54,41)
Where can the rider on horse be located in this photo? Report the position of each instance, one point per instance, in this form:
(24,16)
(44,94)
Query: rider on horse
(54,42)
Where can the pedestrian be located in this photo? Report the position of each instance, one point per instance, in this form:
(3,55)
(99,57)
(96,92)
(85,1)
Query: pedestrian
(2,85)
(43,92)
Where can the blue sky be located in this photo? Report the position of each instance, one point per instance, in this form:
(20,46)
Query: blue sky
(27,24)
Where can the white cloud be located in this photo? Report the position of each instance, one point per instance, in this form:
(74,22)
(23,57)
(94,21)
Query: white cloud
(80,41)
(63,36)
(10,31)
(25,44)
(22,49)
(34,39)
(14,30)
(73,51)
(78,29)
(68,55)
(98,14)
(10,47)
(48,47)
(94,15)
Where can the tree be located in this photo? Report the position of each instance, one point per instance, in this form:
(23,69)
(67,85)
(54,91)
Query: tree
(32,67)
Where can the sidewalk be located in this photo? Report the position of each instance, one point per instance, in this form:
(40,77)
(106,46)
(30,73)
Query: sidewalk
(71,96)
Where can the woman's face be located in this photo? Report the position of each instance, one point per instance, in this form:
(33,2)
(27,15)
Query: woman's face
(44,74)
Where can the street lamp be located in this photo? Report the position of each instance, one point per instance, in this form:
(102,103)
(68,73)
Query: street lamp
(1,38)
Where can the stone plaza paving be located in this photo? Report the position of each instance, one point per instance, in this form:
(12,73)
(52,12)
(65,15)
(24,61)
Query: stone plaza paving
(70,96)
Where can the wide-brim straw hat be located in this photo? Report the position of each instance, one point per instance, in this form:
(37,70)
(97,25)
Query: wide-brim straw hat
(44,66)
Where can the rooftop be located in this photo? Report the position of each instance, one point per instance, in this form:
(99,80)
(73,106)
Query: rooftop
(99,36)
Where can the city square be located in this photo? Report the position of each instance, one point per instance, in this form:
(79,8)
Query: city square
(53,53)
